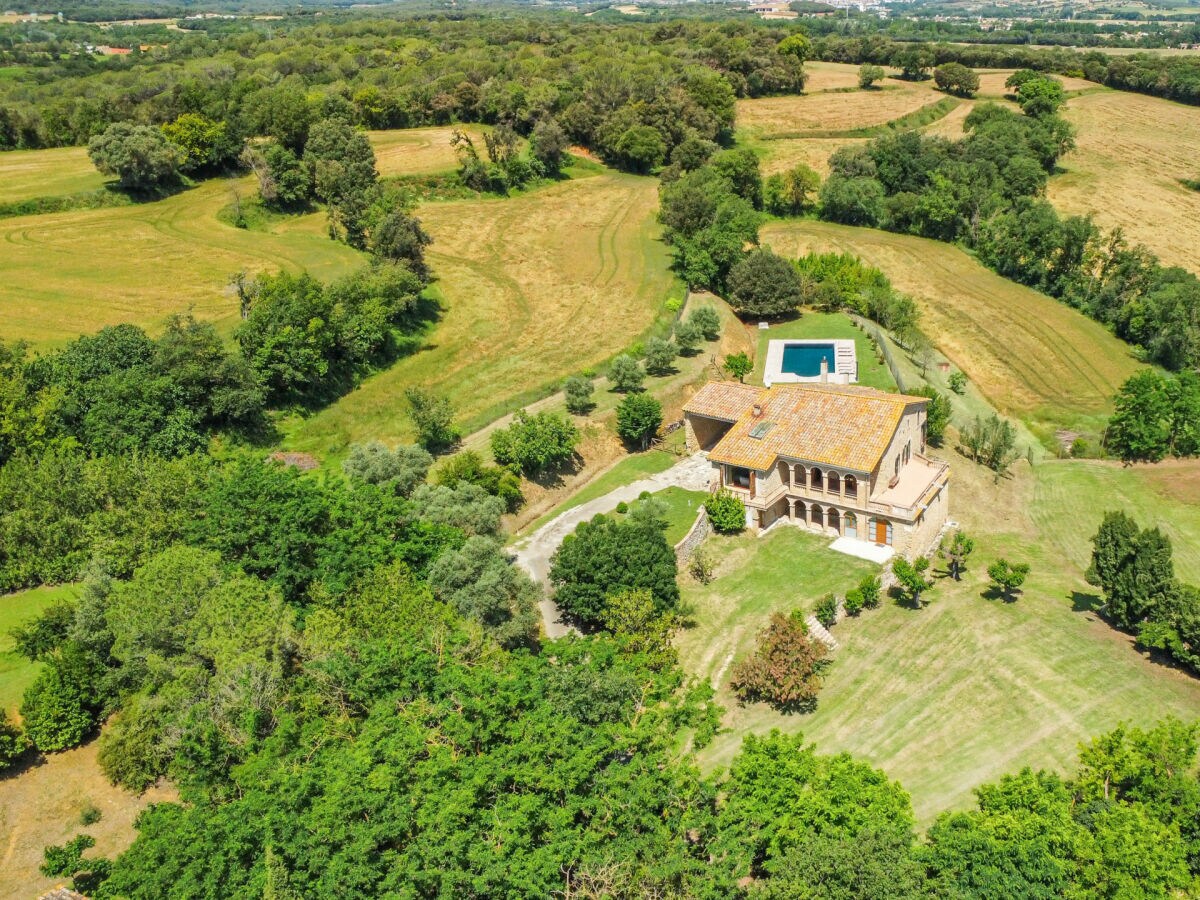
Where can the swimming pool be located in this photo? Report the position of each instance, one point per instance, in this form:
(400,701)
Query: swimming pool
(792,360)
(805,359)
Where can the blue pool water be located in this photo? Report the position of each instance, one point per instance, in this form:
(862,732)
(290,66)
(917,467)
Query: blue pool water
(805,359)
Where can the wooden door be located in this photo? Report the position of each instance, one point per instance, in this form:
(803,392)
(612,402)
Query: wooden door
(880,531)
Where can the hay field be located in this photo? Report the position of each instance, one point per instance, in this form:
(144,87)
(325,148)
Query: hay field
(1131,152)
(779,156)
(1031,356)
(419,151)
(966,689)
(830,76)
(26,174)
(535,286)
(991,82)
(63,274)
(833,111)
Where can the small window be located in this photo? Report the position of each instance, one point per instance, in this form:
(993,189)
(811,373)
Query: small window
(739,477)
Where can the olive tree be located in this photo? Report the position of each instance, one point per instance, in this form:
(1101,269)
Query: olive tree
(140,156)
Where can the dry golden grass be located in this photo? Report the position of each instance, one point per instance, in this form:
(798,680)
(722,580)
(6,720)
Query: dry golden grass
(834,111)
(42,805)
(1031,356)
(779,156)
(419,151)
(64,274)
(951,125)
(25,174)
(829,76)
(1132,150)
(536,287)
(991,82)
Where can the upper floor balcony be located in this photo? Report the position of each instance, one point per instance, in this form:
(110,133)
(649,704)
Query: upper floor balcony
(912,490)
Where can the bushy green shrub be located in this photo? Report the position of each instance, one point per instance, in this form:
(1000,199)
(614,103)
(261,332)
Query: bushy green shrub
(826,611)
(639,416)
(12,742)
(535,443)
(870,588)
(578,391)
(707,320)
(726,513)
(853,604)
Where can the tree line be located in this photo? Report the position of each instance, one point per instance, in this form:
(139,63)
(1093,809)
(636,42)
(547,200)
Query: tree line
(602,85)
(1171,77)
(1135,572)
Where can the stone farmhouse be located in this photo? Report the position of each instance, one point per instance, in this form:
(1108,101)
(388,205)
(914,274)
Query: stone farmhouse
(848,461)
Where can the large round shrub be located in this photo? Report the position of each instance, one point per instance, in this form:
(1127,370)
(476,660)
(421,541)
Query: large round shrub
(726,513)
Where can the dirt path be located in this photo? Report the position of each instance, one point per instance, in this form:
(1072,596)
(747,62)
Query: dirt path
(533,552)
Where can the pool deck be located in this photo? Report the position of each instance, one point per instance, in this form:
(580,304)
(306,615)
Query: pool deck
(845,363)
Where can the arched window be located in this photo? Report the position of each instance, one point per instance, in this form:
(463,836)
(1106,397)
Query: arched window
(801,514)
(833,518)
(816,479)
(833,483)
(850,486)
(815,516)
(851,524)
(907,452)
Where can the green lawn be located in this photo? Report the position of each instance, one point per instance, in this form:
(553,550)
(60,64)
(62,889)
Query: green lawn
(813,326)
(16,672)
(755,576)
(632,468)
(682,506)
(966,689)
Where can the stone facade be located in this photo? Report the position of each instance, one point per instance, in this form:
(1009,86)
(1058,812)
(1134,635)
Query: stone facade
(902,502)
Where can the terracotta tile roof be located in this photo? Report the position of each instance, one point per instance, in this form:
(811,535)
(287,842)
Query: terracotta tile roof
(846,427)
(723,400)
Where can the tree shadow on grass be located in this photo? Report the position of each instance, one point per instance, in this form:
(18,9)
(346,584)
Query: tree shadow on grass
(556,476)
(991,592)
(1086,602)
(901,599)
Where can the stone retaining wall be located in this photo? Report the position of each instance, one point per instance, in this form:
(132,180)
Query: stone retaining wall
(694,538)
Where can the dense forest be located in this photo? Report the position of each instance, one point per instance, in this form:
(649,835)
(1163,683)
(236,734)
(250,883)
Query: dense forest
(598,81)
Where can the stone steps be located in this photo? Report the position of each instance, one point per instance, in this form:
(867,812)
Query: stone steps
(821,633)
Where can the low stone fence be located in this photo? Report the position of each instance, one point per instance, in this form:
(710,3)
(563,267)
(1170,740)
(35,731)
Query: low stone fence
(694,538)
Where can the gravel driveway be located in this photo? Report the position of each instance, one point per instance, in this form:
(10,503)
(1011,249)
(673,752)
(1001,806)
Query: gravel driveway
(533,552)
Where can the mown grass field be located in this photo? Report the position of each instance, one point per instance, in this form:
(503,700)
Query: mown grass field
(67,273)
(966,689)
(1132,150)
(535,287)
(1029,355)
(420,151)
(825,111)
(872,371)
(25,174)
